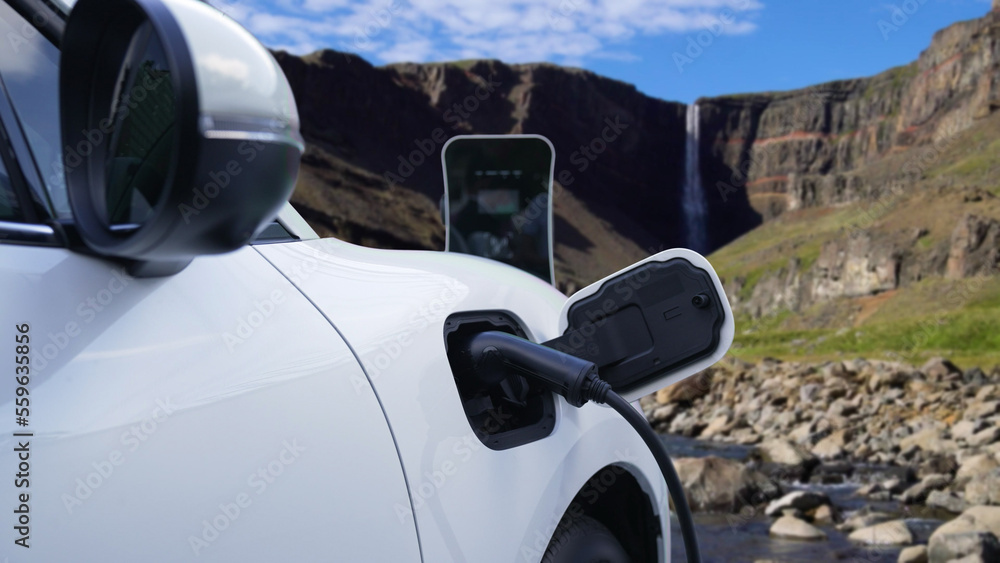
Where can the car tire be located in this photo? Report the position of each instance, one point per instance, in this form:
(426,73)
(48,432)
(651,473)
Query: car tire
(584,540)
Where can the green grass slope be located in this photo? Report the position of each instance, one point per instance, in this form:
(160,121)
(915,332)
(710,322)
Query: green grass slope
(934,316)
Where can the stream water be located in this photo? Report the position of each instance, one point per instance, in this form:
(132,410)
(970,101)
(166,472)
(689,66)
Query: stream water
(728,538)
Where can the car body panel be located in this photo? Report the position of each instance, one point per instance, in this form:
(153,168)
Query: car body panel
(289,401)
(154,401)
(470,503)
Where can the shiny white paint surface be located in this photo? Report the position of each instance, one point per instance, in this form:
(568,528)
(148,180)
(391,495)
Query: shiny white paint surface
(223,414)
(291,220)
(236,75)
(112,354)
(725,337)
(472,503)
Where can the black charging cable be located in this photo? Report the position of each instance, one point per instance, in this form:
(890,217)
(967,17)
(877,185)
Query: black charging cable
(492,353)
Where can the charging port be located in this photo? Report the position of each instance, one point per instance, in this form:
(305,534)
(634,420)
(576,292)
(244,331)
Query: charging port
(505,410)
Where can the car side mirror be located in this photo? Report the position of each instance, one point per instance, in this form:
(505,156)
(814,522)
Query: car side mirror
(180,130)
(650,325)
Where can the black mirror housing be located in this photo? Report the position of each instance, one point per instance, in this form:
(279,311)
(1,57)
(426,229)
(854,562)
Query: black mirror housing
(180,132)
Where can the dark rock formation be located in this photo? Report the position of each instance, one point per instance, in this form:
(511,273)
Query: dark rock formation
(372,170)
(975,247)
(723,485)
(619,153)
(803,148)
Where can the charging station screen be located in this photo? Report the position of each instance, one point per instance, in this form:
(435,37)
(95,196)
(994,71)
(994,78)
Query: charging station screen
(498,200)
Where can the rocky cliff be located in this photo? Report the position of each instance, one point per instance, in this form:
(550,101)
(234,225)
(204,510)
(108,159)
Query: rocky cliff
(880,200)
(372,172)
(806,148)
(846,171)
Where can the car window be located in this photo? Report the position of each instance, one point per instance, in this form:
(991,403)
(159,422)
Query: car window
(9,208)
(29,66)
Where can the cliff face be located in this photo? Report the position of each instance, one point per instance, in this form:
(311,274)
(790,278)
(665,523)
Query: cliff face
(876,184)
(356,120)
(804,148)
(372,170)
(618,150)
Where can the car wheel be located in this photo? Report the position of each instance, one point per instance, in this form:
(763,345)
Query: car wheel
(584,540)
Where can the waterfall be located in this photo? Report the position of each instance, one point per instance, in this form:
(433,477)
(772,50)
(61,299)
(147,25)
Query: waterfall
(695,206)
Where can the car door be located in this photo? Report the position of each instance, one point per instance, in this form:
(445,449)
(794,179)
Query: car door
(213,415)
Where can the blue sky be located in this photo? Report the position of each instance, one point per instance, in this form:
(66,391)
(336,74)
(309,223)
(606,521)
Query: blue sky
(671,49)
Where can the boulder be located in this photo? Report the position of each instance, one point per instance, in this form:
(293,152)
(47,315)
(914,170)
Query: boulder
(984,437)
(929,440)
(894,532)
(717,426)
(686,424)
(832,447)
(987,392)
(826,449)
(717,484)
(946,501)
(744,436)
(974,467)
(887,379)
(801,433)
(984,489)
(663,413)
(785,452)
(790,527)
(975,519)
(825,514)
(895,485)
(687,390)
(864,518)
(964,429)
(836,369)
(842,408)
(938,369)
(974,376)
(938,464)
(918,493)
(809,392)
(803,501)
(970,547)
(915,553)
(980,410)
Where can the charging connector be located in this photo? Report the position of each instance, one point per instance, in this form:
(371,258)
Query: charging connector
(575,379)
(493,353)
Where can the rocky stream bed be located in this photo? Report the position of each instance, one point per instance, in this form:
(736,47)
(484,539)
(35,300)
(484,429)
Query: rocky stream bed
(865,461)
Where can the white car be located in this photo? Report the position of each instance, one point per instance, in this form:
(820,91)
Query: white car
(173,393)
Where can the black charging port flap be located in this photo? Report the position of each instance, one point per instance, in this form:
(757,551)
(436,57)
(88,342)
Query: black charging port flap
(645,323)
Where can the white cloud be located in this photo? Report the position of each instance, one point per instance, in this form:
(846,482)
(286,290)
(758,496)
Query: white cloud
(324,5)
(408,51)
(511,30)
